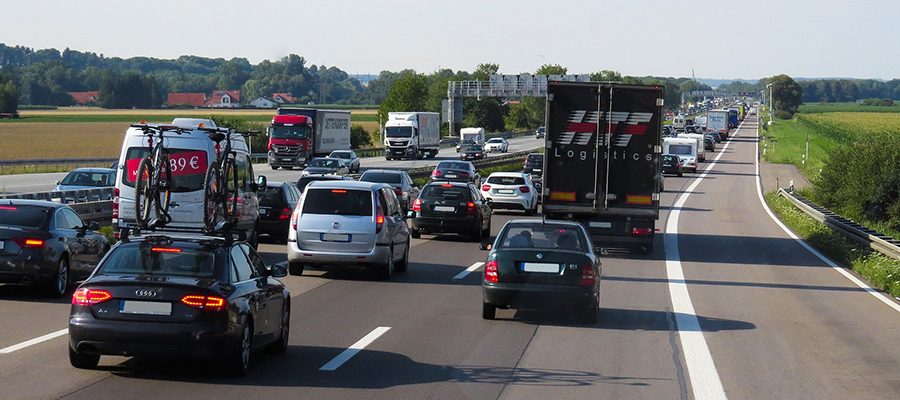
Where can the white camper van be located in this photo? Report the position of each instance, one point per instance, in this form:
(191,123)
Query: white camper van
(701,150)
(190,154)
(685,149)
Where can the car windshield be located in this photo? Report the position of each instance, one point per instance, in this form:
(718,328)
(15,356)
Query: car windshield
(149,258)
(506,180)
(86,178)
(542,236)
(380,177)
(398,132)
(338,202)
(22,215)
(473,148)
(495,140)
(449,192)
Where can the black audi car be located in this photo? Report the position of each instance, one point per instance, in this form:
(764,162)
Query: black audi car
(276,204)
(46,244)
(450,207)
(180,296)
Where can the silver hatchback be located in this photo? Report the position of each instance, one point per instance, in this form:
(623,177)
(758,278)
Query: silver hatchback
(348,223)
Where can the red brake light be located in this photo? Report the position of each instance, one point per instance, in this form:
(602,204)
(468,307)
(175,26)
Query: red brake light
(485,188)
(524,189)
(115,204)
(417,205)
(294,217)
(379,217)
(165,250)
(491,272)
(587,275)
(338,191)
(211,303)
(28,242)
(398,191)
(436,173)
(89,297)
(641,231)
(446,185)
(8,208)
(470,208)
(285,213)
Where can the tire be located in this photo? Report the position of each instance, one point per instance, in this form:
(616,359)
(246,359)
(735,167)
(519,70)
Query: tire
(680,173)
(385,272)
(143,193)
(488,311)
(479,232)
(487,231)
(163,190)
(82,360)
(57,287)
(231,190)
(281,345)
(415,233)
(403,265)
(211,184)
(238,362)
(530,211)
(274,168)
(295,268)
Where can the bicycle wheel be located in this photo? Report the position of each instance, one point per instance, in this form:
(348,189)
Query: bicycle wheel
(143,193)
(164,188)
(230,195)
(211,203)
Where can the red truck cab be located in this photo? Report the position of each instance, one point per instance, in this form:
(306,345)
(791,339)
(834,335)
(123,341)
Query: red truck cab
(290,141)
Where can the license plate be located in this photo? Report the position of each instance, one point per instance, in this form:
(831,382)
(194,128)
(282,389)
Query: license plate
(444,208)
(2,245)
(335,237)
(263,211)
(504,191)
(540,267)
(537,170)
(145,307)
(450,175)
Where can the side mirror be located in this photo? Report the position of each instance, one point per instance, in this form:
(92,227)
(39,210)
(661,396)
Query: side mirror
(278,271)
(490,201)
(57,182)
(410,214)
(261,182)
(93,226)
(486,246)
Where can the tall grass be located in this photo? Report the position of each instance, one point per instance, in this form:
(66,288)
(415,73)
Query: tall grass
(815,108)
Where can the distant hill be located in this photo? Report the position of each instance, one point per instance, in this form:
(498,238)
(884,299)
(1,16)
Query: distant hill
(718,82)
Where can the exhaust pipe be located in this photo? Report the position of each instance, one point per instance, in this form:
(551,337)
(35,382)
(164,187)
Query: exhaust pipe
(26,280)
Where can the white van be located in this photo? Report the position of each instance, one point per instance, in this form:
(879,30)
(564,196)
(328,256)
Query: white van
(685,149)
(701,149)
(190,155)
(678,122)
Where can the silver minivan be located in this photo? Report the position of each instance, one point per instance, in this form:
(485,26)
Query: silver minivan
(343,223)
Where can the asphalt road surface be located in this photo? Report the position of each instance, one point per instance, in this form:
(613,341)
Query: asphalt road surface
(727,306)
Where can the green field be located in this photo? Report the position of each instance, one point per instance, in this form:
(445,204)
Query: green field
(816,108)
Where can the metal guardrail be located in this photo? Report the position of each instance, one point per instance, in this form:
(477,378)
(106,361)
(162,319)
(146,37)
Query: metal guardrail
(90,204)
(507,159)
(880,242)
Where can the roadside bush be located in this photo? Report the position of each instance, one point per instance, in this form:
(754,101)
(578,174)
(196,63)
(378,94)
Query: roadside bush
(359,138)
(781,114)
(861,181)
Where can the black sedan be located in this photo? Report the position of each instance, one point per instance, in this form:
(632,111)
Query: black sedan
(456,171)
(169,296)
(472,152)
(450,207)
(276,205)
(671,165)
(47,244)
(535,264)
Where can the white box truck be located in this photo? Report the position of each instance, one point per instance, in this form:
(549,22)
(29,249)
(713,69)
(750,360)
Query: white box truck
(469,136)
(717,121)
(413,135)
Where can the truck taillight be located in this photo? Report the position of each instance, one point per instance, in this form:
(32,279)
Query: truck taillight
(588,277)
(491,273)
(417,205)
(524,189)
(641,231)
(115,211)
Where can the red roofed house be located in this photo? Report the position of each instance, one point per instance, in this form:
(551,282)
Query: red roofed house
(186,99)
(225,98)
(283,98)
(85,98)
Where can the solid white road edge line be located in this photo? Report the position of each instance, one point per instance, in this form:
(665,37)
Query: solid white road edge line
(701,368)
(759,192)
(34,341)
(469,270)
(355,348)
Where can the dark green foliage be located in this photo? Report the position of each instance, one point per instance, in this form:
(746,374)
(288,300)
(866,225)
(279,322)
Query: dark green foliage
(129,90)
(861,180)
(408,93)
(359,138)
(9,99)
(878,102)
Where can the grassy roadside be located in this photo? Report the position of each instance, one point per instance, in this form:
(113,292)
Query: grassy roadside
(879,270)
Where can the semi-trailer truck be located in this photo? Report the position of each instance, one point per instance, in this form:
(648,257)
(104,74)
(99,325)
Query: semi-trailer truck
(413,135)
(602,160)
(297,135)
(717,121)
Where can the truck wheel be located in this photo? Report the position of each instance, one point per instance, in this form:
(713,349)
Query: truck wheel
(274,168)
(388,158)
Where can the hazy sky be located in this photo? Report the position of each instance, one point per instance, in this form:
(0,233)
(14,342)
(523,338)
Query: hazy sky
(716,39)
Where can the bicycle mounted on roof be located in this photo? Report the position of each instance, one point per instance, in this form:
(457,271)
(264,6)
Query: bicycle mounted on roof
(153,187)
(220,185)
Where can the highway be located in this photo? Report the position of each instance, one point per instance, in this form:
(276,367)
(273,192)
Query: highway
(728,305)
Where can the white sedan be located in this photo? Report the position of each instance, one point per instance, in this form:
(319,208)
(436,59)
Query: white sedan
(496,144)
(512,191)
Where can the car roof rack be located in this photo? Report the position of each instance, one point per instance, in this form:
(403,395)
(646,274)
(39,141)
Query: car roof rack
(223,230)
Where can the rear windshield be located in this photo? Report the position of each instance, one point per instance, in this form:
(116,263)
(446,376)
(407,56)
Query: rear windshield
(338,202)
(158,259)
(535,159)
(271,196)
(680,149)
(506,180)
(544,236)
(188,165)
(380,177)
(27,216)
(436,192)
(452,165)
